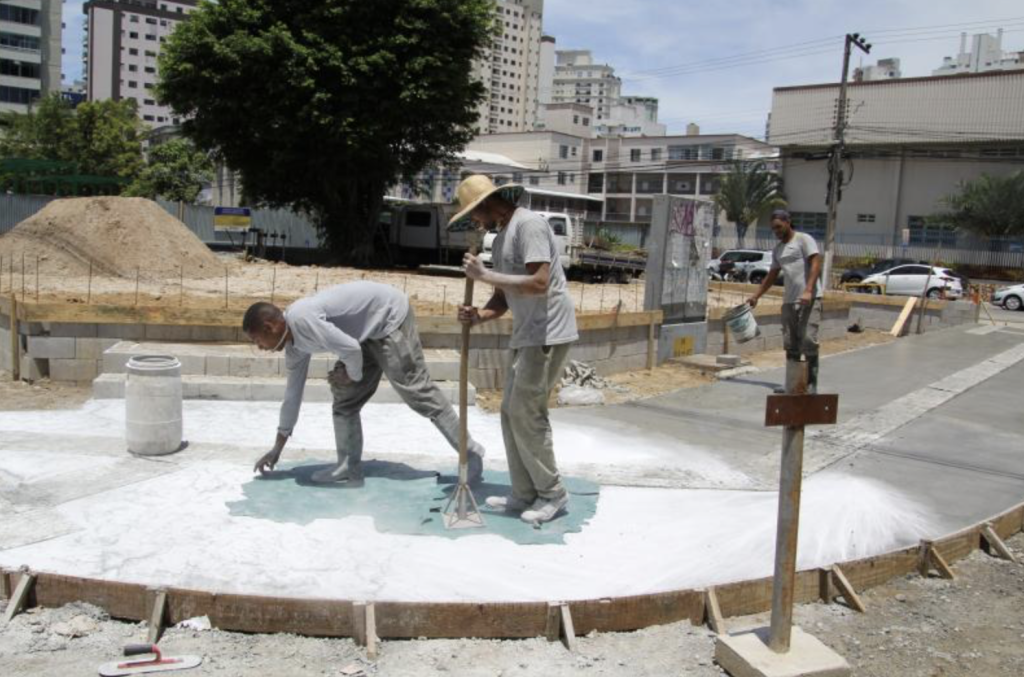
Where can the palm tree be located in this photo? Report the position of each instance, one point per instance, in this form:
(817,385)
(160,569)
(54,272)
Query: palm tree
(989,206)
(748,192)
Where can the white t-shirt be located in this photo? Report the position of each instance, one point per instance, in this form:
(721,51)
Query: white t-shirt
(794,258)
(537,320)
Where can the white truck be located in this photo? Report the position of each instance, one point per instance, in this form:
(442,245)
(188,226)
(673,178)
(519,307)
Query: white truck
(579,260)
(418,234)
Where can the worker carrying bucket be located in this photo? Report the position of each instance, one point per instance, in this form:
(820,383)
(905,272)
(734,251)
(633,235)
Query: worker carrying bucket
(796,257)
(371,329)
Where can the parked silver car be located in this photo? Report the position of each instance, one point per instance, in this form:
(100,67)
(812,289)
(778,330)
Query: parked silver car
(1011,298)
(910,280)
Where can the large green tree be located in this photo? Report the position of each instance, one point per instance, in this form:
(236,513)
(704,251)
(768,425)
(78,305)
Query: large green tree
(748,192)
(101,138)
(175,170)
(989,206)
(321,106)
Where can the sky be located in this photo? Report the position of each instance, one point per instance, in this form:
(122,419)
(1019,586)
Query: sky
(715,63)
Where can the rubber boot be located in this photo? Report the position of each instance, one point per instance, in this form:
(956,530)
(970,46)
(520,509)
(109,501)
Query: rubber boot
(448,424)
(348,440)
(812,374)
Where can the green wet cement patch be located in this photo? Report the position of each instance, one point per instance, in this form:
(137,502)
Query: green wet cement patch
(404,500)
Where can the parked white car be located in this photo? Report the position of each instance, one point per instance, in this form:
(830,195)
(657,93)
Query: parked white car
(1011,298)
(910,280)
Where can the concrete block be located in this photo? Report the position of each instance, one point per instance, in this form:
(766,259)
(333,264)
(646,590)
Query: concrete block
(319,365)
(266,390)
(51,347)
(217,365)
(619,365)
(747,655)
(33,369)
(488,359)
(255,366)
(189,389)
(108,387)
(317,390)
(73,329)
(31,328)
(215,334)
(487,379)
(590,353)
(223,389)
(73,370)
(729,360)
(93,348)
(192,365)
(160,332)
(133,332)
(113,362)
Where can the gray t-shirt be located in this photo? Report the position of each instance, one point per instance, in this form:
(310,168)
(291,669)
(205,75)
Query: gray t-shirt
(337,320)
(794,258)
(537,320)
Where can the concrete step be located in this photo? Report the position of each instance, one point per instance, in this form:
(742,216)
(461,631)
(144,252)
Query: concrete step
(243,360)
(260,389)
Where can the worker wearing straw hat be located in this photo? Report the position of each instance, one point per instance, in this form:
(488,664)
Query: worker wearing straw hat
(528,280)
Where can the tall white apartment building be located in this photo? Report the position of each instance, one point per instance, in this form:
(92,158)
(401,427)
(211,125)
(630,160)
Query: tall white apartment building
(986,54)
(510,67)
(30,51)
(884,69)
(578,79)
(123,39)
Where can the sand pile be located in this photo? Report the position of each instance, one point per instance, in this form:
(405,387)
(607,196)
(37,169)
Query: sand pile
(117,234)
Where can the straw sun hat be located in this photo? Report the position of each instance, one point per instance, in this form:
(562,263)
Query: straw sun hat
(476,188)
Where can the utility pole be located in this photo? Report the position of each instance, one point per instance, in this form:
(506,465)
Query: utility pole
(835,161)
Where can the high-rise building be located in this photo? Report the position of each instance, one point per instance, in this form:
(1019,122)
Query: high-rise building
(986,55)
(30,51)
(884,69)
(123,40)
(578,79)
(510,67)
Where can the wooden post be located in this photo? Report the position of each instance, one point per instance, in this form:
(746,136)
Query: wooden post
(788,523)
(559,625)
(181,285)
(136,285)
(713,611)
(825,585)
(364,627)
(37,279)
(273,286)
(847,591)
(21,596)
(316,282)
(650,345)
(600,303)
(15,340)
(88,287)
(930,557)
(22,276)
(444,295)
(225,286)
(995,543)
(157,617)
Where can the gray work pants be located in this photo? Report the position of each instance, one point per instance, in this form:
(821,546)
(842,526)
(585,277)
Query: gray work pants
(533,373)
(399,355)
(800,329)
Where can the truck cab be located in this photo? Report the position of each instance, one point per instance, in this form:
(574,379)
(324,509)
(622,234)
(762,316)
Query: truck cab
(568,234)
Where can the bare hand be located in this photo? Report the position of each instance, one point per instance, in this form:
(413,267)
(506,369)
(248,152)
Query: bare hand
(338,377)
(806,298)
(473,266)
(469,315)
(752,302)
(267,461)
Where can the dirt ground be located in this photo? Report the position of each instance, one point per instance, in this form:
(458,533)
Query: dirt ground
(21,396)
(914,627)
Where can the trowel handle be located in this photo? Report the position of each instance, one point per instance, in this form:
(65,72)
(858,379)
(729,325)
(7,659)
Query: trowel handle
(139,649)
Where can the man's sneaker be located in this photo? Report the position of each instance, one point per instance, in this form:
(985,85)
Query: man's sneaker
(545,509)
(476,467)
(507,503)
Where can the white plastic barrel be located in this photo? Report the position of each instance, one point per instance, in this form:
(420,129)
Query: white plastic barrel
(741,323)
(152,397)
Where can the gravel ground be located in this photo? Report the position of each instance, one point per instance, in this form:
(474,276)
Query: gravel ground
(914,627)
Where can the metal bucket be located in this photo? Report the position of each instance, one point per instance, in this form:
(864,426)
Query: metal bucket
(741,323)
(152,396)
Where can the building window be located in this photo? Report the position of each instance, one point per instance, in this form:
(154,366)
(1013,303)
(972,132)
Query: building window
(17,94)
(150,69)
(586,122)
(655,155)
(150,54)
(812,223)
(517,177)
(709,184)
(133,52)
(563,152)
(132,84)
(133,34)
(19,69)
(19,15)
(865,218)
(149,102)
(634,155)
(595,183)
(650,183)
(147,118)
(598,155)
(561,178)
(133,18)
(23,42)
(575,119)
(150,20)
(922,232)
(132,68)
(574,148)
(534,180)
(682,152)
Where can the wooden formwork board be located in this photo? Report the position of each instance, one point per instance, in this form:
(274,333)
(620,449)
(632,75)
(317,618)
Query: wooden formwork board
(396,620)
